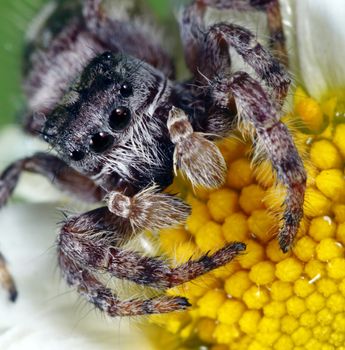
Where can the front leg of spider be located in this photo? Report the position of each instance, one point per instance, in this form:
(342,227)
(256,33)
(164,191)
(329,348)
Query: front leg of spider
(92,242)
(197,157)
(255,107)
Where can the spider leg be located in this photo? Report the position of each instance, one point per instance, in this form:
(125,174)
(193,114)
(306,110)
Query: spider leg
(197,157)
(104,299)
(277,36)
(269,69)
(207,51)
(126,36)
(255,107)
(83,248)
(192,31)
(274,19)
(6,280)
(56,170)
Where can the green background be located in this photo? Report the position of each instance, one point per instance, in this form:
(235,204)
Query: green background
(15,15)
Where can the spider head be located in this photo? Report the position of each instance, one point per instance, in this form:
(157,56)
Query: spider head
(106,121)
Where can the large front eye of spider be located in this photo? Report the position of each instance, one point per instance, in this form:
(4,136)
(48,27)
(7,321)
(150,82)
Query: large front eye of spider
(119,118)
(100,142)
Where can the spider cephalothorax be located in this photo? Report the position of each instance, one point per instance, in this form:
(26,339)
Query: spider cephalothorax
(101,94)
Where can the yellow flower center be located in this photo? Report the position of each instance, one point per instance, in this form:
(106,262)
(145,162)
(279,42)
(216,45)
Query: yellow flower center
(267,299)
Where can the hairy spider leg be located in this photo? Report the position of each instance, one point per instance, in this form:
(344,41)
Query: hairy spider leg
(104,299)
(274,19)
(207,48)
(192,31)
(137,40)
(81,251)
(56,171)
(277,36)
(255,107)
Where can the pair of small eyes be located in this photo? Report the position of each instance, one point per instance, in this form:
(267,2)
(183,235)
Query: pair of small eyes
(119,119)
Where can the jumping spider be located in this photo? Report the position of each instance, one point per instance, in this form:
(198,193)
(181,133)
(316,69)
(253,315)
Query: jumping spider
(100,92)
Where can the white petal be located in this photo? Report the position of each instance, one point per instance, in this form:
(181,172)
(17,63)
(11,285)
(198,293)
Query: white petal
(48,314)
(321,44)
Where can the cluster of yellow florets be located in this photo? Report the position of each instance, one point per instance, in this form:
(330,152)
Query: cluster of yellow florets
(266,299)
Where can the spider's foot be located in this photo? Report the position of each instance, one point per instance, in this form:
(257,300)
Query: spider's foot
(208,262)
(8,180)
(288,232)
(228,253)
(284,241)
(286,238)
(7,281)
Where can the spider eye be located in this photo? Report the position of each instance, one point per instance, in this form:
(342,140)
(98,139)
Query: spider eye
(107,55)
(77,155)
(119,118)
(126,90)
(100,142)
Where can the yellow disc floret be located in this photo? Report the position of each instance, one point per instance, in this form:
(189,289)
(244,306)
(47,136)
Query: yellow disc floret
(331,183)
(289,269)
(322,227)
(231,311)
(252,198)
(339,140)
(262,273)
(240,173)
(325,155)
(210,303)
(268,299)
(316,203)
(308,110)
(237,284)
(238,220)
(222,203)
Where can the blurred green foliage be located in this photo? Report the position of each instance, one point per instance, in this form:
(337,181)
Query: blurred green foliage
(15,15)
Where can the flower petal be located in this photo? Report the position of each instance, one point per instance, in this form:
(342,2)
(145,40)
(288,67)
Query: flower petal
(321,44)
